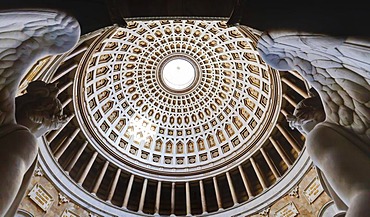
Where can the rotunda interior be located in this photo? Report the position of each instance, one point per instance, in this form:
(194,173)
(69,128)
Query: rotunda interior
(171,112)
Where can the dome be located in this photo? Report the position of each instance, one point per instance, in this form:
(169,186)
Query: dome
(173,116)
(131,109)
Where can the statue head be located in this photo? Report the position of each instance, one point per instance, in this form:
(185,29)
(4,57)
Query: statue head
(308,113)
(39,109)
(39,88)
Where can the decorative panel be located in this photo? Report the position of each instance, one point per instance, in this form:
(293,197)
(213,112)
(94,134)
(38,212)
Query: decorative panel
(41,197)
(313,190)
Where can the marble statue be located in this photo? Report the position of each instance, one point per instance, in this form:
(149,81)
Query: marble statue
(338,134)
(39,109)
(25,37)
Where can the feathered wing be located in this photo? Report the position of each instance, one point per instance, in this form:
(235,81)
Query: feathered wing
(338,68)
(25,37)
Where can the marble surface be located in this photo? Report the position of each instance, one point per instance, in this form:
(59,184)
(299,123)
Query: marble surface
(338,68)
(26,36)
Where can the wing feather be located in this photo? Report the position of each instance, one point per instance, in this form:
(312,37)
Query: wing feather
(338,68)
(25,37)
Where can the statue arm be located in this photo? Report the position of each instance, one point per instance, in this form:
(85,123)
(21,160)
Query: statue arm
(22,190)
(17,158)
(331,193)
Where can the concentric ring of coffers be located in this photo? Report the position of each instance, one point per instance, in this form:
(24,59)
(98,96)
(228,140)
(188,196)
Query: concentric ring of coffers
(223,112)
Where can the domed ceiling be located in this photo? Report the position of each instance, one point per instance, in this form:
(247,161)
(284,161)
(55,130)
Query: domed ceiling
(172,117)
(225,100)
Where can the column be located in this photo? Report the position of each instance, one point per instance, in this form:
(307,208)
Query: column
(173,198)
(232,190)
(297,89)
(87,168)
(142,197)
(188,202)
(280,151)
(245,181)
(76,157)
(290,100)
(51,136)
(158,198)
(66,143)
(259,174)
(286,135)
(65,103)
(218,196)
(64,87)
(285,113)
(203,197)
(128,191)
(270,163)
(64,72)
(77,51)
(100,178)
(114,185)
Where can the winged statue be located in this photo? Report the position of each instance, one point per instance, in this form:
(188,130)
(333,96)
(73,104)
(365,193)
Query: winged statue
(26,36)
(338,68)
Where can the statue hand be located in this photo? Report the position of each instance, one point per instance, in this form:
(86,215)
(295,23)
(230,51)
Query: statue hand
(292,121)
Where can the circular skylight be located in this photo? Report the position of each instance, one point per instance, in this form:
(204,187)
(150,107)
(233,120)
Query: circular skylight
(178,74)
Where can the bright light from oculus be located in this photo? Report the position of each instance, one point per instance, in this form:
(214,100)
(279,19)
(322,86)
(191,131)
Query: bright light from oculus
(178,74)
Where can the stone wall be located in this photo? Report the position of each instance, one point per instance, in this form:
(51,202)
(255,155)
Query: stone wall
(43,200)
(306,199)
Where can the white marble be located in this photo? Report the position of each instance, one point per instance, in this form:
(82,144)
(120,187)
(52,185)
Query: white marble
(25,37)
(339,70)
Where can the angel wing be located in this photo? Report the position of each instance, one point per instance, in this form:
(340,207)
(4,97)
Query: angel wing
(338,68)
(25,37)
